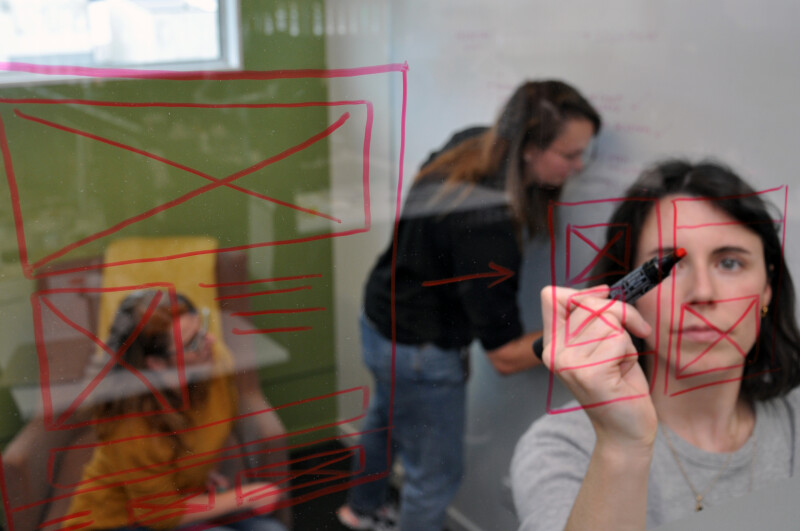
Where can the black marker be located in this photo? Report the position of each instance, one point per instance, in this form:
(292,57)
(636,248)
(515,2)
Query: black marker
(636,283)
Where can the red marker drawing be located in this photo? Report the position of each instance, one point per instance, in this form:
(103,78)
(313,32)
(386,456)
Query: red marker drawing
(636,283)
(499,271)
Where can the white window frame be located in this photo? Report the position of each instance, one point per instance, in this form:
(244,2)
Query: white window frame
(230,55)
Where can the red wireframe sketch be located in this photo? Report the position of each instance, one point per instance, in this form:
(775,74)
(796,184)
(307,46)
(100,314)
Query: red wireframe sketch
(593,238)
(586,246)
(297,480)
(49,121)
(62,400)
(746,308)
(572,328)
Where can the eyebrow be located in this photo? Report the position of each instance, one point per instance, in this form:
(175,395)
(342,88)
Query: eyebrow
(720,250)
(731,249)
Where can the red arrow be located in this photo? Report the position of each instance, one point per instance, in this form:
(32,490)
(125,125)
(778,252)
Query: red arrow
(499,271)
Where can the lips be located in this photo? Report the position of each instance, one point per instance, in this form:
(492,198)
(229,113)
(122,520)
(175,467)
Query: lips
(698,334)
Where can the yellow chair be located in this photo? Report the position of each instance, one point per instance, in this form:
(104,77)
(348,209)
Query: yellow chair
(39,494)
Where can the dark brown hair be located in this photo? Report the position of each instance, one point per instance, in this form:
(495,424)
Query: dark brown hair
(142,328)
(772,366)
(534,115)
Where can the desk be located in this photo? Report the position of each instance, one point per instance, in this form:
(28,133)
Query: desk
(250,352)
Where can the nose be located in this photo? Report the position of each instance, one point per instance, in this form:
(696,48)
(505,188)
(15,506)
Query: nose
(699,284)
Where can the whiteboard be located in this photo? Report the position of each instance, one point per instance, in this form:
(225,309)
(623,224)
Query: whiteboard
(712,79)
(681,78)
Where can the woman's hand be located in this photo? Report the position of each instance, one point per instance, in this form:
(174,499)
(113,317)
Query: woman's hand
(595,358)
(260,495)
(216,482)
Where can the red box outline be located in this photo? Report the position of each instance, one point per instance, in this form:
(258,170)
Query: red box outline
(593,315)
(583,275)
(60,423)
(232,452)
(335,456)
(554,281)
(220,76)
(221,453)
(147,503)
(675,228)
(30,269)
(681,371)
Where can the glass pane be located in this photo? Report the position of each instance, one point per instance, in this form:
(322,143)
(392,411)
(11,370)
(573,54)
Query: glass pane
(109,32)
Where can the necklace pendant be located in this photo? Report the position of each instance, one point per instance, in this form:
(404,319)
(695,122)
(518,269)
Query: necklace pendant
(698,506)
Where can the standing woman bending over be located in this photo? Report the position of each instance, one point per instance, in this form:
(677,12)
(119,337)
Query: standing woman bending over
(722,332)
(467,212)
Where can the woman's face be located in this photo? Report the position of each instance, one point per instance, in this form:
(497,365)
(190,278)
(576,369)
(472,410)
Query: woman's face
(708,312)
(550,167)
(197,342)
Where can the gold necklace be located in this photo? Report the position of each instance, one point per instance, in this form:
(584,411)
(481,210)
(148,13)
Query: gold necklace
(700,496)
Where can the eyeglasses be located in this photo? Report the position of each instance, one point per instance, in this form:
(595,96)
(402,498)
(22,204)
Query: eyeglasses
(585,156)
(197,341)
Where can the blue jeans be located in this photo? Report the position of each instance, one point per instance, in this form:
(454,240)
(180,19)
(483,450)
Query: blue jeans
(426,432)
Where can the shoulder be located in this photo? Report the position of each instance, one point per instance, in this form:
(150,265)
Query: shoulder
(475,203)
(786,407)
(456,139)
(568,432)
(793,398)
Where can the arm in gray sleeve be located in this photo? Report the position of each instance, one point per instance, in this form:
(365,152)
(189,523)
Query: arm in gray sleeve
(548,467)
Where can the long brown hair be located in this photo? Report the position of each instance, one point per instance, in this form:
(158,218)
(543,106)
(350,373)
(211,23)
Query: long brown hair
(772,366)
(534,115)
(142,328)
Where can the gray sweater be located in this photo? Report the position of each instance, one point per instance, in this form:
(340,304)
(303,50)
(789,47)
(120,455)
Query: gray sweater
(551,458)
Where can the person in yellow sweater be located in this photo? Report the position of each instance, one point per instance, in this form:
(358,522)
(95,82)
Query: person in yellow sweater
(156,464)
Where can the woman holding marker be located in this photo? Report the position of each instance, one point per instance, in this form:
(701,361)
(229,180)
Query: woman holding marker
(694,403)
(155,465)
(454,254)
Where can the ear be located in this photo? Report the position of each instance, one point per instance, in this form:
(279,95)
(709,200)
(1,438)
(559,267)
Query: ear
(766,295)
(530,153)
(154,363)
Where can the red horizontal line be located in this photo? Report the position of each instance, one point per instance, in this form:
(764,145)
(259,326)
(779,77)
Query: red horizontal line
(724,223)
(178,105)
(239,332)
(245,283)
(268,312)
(104,265)
(270,292)
(597,225)
(195,75)
(75,527)
(65,518)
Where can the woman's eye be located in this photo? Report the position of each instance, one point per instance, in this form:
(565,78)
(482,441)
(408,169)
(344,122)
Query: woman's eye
(730,264)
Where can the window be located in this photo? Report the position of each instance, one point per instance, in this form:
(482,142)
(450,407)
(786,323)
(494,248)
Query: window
(159,34)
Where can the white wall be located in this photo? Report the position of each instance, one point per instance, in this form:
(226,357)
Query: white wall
(357,35)
(680,78)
